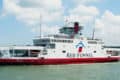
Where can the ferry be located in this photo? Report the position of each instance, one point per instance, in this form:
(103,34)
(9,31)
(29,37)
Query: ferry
(67,47)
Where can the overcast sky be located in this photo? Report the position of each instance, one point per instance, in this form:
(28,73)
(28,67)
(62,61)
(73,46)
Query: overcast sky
(20,19)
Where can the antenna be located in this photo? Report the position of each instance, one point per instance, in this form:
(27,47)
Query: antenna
(40,25)
(93,34)
(66,22)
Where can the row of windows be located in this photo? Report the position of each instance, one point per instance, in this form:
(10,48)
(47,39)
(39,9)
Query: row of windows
(92,42)
(53,40)
(24,53)
(44,40)
(64,41)
(41,40)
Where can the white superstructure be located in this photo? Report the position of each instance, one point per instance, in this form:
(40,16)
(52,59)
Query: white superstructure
(68,47)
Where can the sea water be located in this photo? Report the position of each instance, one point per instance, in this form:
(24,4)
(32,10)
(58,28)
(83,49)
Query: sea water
(96,71)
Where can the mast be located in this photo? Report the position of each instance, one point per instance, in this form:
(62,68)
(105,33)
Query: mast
(93,34)
(40,25)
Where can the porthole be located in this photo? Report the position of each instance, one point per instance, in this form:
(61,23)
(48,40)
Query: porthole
(94,51)
(63,51)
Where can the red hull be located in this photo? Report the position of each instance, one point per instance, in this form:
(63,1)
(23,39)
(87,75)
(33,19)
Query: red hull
(57,61)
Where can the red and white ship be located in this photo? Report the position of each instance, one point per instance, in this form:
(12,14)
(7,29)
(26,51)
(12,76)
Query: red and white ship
(69,47)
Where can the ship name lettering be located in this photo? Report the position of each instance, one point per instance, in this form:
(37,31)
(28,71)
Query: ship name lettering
(73,55)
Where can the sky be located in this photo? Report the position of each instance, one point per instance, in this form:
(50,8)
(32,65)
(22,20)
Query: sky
(20,19)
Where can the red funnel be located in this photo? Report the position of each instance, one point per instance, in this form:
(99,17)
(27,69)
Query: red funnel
(76,27)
